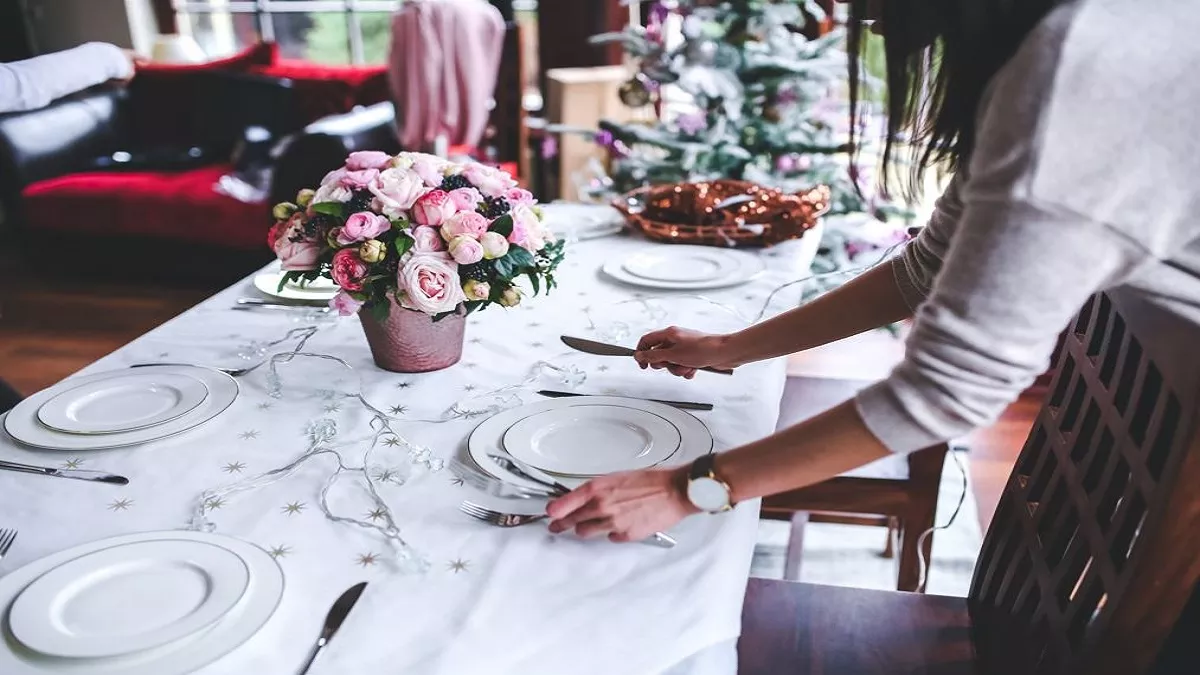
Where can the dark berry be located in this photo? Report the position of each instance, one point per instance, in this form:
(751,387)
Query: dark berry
(480,271)
(361,201)
(494,207)
(454,182)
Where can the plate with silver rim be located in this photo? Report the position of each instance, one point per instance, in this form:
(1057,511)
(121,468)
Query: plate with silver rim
(136,400)
(22,424)
(317,290)
(592,440)
(128,599)
(685,267)
(488,437)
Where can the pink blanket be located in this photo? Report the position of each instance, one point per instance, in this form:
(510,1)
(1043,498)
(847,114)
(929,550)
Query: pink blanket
(444,62)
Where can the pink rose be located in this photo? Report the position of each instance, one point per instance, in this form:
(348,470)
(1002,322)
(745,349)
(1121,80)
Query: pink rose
(491,181)
(429,167)
(295,250)
(362,226)
(466,250)
(527,229)
(275,232)
(433,208)
(348,269)
(466,198)
(334,177)
(396,190)
(494,245)
(427,240)
(332,192)
(469,223)
(519,197)
(358,180)
(344,305)
(430,284)
(367,159)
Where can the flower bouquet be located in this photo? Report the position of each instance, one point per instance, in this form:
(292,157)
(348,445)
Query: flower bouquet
(415,243)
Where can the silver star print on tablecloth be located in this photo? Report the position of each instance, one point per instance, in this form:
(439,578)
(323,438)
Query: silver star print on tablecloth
(265,405)
(278,552)
(397,410)
(388,476)
(214,503)
(391,441)
(248,435)
(457,482)
(376,514)
(293,508)
(458,565)
(333,408)
(403,385)
(120,504)
(73,463)
(366,559)
(233,467)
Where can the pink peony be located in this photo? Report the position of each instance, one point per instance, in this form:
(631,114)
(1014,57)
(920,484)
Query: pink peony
(433,208)
(494,245)
(519,197)
(275,232)
(348,269)
(469,223)
(295,250)
(344,305)
(362,226)
(359,180)
(430,284)
(396,190)
(466,250)
(492,182)
(427,240)
(430,168)
(367,159)
(466,198)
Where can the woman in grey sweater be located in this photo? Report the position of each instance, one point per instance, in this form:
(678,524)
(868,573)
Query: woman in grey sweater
(1071,128)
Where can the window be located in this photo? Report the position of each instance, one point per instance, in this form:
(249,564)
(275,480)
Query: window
(322,31)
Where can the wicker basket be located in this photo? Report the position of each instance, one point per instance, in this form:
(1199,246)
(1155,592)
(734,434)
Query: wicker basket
(728,213)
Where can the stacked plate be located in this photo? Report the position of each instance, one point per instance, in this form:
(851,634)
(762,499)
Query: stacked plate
(685,268)
(575,439)
(155,603)
(121,408)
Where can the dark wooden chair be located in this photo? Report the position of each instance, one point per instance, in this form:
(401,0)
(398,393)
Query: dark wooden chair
(899,493)
(1092,555)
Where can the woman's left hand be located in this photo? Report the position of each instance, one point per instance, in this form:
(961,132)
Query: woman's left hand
(625,506)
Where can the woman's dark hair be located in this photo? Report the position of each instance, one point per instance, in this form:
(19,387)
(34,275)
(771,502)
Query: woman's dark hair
(941,55)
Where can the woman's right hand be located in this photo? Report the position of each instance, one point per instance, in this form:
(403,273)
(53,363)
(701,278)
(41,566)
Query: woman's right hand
(681,351)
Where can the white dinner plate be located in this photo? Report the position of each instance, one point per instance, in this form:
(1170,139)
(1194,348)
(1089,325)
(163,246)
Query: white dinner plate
(182,656)
(572,221)
(592,440)
(132,401)
(682,268)
(22,423)
(128,598)
(488,437)
(696,264)
(316,290)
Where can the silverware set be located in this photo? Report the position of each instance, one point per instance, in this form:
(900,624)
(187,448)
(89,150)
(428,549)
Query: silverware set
(276,305)
(75,474)
(7,537)
(498,518)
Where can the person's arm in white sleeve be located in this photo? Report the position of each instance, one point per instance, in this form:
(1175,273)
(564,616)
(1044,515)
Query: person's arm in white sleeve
(34,83)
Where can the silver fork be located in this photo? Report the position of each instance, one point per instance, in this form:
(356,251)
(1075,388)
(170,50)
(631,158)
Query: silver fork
(7,537)
(232,372)
(496,517)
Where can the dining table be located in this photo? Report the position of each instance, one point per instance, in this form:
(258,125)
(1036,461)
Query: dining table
(489,600)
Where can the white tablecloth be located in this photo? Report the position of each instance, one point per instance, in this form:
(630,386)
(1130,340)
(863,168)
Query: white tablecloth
(494,601)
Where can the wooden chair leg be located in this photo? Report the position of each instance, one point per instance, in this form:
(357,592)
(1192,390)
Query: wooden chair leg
(893,530)
(795,548)
(909,577)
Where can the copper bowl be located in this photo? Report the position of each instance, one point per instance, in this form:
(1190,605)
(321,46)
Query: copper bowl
(728,213)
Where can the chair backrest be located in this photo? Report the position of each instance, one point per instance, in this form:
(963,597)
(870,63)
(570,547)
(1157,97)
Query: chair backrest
(1095,546)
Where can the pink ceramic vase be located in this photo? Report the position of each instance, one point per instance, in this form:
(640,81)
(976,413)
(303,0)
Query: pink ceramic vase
(409,341)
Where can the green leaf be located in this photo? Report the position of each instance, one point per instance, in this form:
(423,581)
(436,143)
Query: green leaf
(403,243)
(534,281)
(336,209)
(503,225)
(289,277)
(473,305)
(400,223)
(504,268)
(380,310)
(519,258)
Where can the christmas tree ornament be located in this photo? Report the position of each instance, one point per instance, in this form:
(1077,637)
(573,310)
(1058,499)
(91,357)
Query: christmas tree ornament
(772,113)
(634,92)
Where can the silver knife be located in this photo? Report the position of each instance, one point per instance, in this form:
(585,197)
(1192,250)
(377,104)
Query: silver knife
(516,466)
(333,621)
(682,405)
(263,302)
(76,474)
(604,349)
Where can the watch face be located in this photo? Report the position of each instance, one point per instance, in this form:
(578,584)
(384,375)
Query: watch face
(707,494)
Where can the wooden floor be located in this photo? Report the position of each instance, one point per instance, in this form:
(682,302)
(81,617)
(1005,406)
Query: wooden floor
(50,329)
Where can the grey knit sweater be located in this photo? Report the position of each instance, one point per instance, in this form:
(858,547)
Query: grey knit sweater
(1086,176)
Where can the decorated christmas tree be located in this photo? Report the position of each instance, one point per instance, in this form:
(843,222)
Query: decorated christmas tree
(753,90)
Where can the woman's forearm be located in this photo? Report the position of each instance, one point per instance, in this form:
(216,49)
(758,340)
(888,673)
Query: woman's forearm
(868,301)
(825,446)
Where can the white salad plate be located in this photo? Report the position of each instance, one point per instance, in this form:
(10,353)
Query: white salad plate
(135,400)
(22,424)
(592,440)
(321,289)
(682,268)
(185,655)
(128,598)
(488,438)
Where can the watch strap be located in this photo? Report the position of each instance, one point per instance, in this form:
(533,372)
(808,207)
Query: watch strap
(702,467)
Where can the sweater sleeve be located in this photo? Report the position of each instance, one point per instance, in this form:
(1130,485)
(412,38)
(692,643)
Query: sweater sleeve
(916,268)
(34,83)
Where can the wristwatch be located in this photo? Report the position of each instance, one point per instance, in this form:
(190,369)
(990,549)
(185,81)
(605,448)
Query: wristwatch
(705,490)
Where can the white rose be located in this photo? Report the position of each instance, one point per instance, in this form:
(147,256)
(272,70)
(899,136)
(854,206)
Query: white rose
(332,193)
(430,284)
(396,190)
